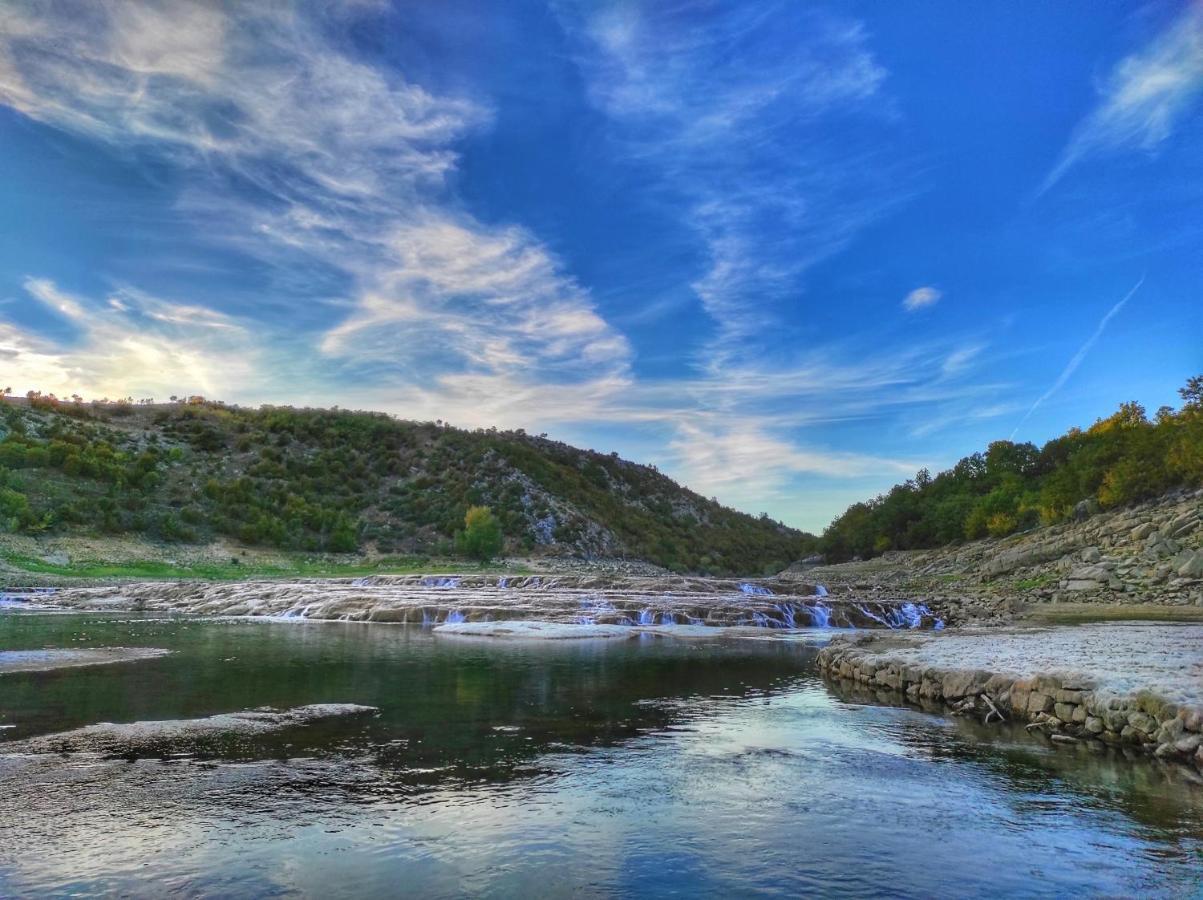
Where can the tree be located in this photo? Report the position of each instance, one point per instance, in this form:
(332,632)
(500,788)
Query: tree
(481,537)
(1192,394)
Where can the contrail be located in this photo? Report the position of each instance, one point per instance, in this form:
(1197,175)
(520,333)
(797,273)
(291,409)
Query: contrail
(1078,357)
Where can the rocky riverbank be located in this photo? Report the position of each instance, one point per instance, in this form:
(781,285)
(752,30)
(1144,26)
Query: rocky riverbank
(1149,555)
(1123,685)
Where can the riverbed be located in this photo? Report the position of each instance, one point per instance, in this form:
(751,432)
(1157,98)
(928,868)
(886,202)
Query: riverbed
(651,765)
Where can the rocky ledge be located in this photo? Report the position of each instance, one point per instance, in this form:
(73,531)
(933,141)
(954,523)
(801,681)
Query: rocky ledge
(1137,686)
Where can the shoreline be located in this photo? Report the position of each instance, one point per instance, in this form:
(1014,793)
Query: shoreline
(1129,706)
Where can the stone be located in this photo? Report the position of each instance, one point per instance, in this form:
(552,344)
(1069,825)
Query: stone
(1189,744)
(1094,725)
(1189,564)
(1091,555)
(1085,509)
(1064,712)
(1038,703)
(1143,723)
(1140,532)
(1080,714)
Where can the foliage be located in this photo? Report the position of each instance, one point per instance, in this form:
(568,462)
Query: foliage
(315,480)
(481,538)
(1122,459)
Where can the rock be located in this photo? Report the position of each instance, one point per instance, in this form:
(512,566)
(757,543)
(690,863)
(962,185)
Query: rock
(1064,712)
(1140,532)
(1189,564)
(1094,725)
(963,683)
(1085,509)
(1143,723)
(1039,703)
(1189,744)
(1091,555)
(1063,739)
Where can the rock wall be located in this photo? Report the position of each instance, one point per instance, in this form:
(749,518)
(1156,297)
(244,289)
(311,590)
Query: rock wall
(1067,708)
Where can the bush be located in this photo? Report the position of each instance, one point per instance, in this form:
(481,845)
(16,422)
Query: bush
(481,538)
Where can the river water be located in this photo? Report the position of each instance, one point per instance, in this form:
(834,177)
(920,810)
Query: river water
(650,766)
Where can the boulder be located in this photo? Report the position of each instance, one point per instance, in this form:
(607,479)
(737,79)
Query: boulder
(1085,509)
(1189,564)
(1140,532)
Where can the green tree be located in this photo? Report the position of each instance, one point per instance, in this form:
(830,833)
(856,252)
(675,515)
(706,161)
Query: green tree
(481,537)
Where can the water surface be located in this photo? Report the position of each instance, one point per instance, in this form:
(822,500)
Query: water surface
(648,766)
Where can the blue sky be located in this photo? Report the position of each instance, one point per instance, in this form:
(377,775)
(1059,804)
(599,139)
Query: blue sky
(789,253)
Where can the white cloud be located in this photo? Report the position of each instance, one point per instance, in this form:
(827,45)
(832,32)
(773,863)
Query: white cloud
(345,164)
(1144,97)
(921,297)
(133,344)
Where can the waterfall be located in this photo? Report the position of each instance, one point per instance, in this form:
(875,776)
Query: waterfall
(755,590)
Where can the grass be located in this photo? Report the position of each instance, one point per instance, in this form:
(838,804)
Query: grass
(1039,581)
(1082,613)
(213,570)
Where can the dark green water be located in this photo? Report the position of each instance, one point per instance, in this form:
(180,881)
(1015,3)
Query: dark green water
(643,767)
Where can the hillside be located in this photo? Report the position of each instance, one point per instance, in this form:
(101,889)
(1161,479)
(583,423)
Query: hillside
(1123,459)
(334,481)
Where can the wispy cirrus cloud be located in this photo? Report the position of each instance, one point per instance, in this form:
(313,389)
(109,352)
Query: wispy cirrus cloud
(728,108)
(1083,351)
(1144,98)
(297,152)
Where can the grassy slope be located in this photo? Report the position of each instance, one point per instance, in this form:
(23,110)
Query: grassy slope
(328,481)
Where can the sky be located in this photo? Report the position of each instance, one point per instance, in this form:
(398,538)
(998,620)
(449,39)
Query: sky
(789,253)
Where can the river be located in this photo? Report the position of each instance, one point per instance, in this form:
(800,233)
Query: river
(653,765)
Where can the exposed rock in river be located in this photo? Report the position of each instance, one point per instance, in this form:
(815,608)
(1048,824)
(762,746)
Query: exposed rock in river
(46,660)
(137,737)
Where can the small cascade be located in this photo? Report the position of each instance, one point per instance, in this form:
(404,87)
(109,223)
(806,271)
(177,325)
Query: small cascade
(820,590)
(448,581)
(755,590)
(503,582)
(820,615)
(905,615)
(454,618)
(366,581)
(647,617)
(667,619)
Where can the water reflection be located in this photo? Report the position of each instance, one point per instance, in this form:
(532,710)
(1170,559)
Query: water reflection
(499,768)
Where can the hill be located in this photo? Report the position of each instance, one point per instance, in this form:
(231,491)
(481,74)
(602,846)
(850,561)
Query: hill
(336,481)
(1123,459)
